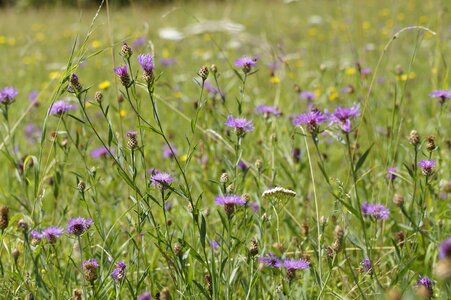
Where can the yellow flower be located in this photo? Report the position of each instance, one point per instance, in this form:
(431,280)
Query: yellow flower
(332,93)
(54,75)
(104,85)
(312,31)
(275,79)
(184,157)
(317,93)
(11,41)
(350,71)
(122,113)
(2,39)
(96,44)
(366,25)
(178,94)
(88,104)
(165,53)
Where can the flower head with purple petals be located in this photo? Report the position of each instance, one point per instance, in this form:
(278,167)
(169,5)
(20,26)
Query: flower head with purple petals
(161,179)
(310,119)
(342,116)
(214,245)
(146,62)
(307,95)
(427,166)
(78,226)
(246,63)
(52,233)
(101,152)
(145,296)
(61,107)
(426,282)
(391,173)
(229,202)
(294,264)
(241,125)
(378,211)
(35,235)
(445,249)
(366,264)
(119,271)
(441,95)
(271,260)
(8,94)
(168,153)
(267,110)
(121,71)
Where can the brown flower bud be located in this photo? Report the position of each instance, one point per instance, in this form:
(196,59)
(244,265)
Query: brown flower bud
(430,144)
(253,248)
(414,138)
(398,200)
(4,217)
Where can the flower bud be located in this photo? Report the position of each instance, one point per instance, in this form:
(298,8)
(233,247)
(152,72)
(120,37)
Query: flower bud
(414,138)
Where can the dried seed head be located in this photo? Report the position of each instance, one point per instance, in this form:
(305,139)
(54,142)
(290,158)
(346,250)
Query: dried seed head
(339,232)
(81,186)
(253,248)
(259,164)
(279,247)
(229,209)
(246,197)
(214,69)
(430,144)
(224,178)
(165,294)
(443,268)
(98,96)
(336,246)
(208,283)
(203,73)
(132,142)
(4,217)
(414,138)
(305,229)
(400,238)
(90,270)
(398,70)
(398,199)
(424,292)
(230,188)
(120,98)
(177,249)
(148,76)
(291,274)
(126,51)
(76,294)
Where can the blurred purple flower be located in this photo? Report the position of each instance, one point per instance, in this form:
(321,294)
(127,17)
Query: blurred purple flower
(8,94)
(160,179)
(52,233)
(442,95)
(119,271)
(267,110)
(242,165)
(145,296)
(378,211)
(342,116)
(426,282)
(271,260)
(61,107)
(139,42)
(445,249)
(294,264)
(78,226)
(167,61)
(121,71)
(214,245)
(391,173)
(32,132)
(229,199)
(254,206)
(427,166)
(101,152)
(246,63)
(241,125)
(35,235)
(366,264)
(307,95)
(167,153)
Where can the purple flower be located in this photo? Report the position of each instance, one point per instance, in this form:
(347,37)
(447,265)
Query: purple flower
(139,42)
(241,125)
(426,282)
(246,63)
(153,171)
(271,260)
(167,153)
(211,88)
(146,62)
(229,199)
(391,173)
(167,61)
(296,155)
(61,107)
(119,271)
(8,94)
(91,262)
(145,296)
(100,152)
(35,235)
(254,206)
(311,119)
(294,264)
(427,166)
(267,110)
(78,225)
(442,95)
(214,245)
(307,95)
(342,116)
(161,179)
(376,210)
(52,233)
(168,206)
(32,132)
(366,264)
(445,249)
(242,165)
(121,71)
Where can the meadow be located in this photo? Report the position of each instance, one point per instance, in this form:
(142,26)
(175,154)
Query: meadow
(226,150)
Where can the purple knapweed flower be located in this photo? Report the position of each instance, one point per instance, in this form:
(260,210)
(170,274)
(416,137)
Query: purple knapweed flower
(167,61)
(61,107)
(307,95)
(229,202)
(445,249)
(52,233)
(8,95)
(427,166)
(243,166)
(91,261)
(378,211)
(365,71)
(145,296)
(241,125)
(441,95)
(342,116)
(168,206)
(214,245)
(271,260)
(32,132)
(366,264)
(100,152)
(146,62)
(311,119)
(168,153)
(119,271)
(139,42)
(35,235)
(391,173)
(161,179)
(153,171)
(294,264)
(78,226)
(121,71)
(267,110)
(246,63)
(425,282)
(211,89)
(254,206)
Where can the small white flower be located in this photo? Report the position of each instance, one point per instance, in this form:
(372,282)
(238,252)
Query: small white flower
(278,193)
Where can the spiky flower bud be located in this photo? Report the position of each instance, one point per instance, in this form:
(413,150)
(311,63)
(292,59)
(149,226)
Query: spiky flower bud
(430,144)
(22,225)
(246,197)
(208,283)
(305,229)
(132,142)
(230,188)
(81,186)
(203,73)
(4,217)
(98,96)
(336,246)
(214,69)
(253,248)
(400,238)
(224,178)
(398,199)
(259,164)
(414,138)
(126,51)
(75,85)
(76,294)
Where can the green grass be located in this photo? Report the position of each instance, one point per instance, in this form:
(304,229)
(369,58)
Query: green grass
(317,45)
